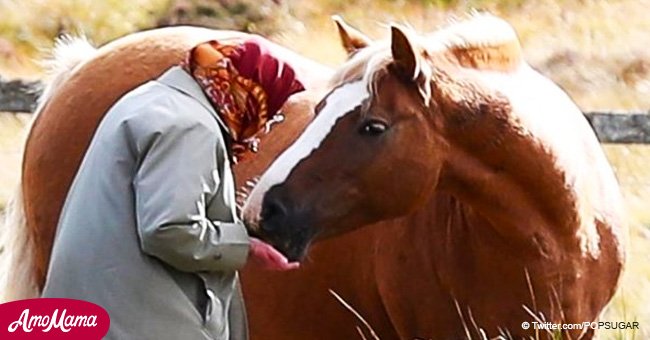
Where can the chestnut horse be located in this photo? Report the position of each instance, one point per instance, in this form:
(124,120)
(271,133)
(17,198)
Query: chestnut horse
(410,277)
(508,210)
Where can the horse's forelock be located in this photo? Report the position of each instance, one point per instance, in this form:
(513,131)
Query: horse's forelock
(361,63)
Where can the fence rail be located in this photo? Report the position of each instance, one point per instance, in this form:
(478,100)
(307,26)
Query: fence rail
(610,127)
(19,95)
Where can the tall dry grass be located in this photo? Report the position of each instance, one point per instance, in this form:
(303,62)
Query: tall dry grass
(27,27)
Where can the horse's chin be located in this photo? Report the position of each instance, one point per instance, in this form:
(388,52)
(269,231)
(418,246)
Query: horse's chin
(297,254)
(294,253)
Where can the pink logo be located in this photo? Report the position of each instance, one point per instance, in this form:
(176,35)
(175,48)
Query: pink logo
(52,319)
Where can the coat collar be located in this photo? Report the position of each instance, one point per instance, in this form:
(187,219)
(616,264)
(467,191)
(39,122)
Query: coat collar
(182,81)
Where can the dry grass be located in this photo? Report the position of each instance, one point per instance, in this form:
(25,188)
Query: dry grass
(28,26)
(632,301)
(596,50)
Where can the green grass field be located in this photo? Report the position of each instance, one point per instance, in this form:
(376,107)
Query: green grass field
(596,50)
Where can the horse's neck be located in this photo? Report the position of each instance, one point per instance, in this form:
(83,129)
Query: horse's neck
(521,159)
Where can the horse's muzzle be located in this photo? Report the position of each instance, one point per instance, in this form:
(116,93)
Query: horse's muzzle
(283,224)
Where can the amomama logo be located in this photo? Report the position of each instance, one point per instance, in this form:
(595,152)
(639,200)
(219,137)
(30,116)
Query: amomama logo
(49,318)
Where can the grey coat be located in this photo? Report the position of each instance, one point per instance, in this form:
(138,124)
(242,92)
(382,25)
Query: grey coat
(148,229)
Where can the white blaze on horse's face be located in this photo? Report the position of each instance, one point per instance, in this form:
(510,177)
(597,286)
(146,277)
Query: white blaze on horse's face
(338,103)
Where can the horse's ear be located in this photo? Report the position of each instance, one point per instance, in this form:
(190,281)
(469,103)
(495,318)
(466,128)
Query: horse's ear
(351,38)
(408,61)
(404,53)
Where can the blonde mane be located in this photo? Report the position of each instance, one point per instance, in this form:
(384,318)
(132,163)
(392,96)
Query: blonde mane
(482,42)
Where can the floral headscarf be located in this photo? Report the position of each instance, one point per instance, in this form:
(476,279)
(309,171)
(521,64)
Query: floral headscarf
(246,85)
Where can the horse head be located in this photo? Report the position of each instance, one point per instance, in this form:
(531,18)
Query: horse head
(371,153)
(456,110)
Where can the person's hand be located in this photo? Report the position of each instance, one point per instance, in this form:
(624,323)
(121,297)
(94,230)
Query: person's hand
(263,256)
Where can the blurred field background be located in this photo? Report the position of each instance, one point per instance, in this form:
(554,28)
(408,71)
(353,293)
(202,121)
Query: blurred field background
(596,50)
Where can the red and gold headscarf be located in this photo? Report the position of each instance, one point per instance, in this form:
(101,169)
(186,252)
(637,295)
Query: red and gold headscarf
(246,85)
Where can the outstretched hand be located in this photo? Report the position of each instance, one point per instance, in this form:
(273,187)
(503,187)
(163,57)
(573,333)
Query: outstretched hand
(263,256)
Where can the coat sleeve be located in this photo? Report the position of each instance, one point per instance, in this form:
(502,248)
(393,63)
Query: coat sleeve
(175,181)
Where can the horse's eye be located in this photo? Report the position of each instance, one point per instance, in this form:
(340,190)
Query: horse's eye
(373,128)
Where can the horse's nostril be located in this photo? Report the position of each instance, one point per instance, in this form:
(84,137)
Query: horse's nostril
(273,209)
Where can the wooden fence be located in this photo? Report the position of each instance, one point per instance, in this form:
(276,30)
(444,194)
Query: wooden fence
(610,127)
